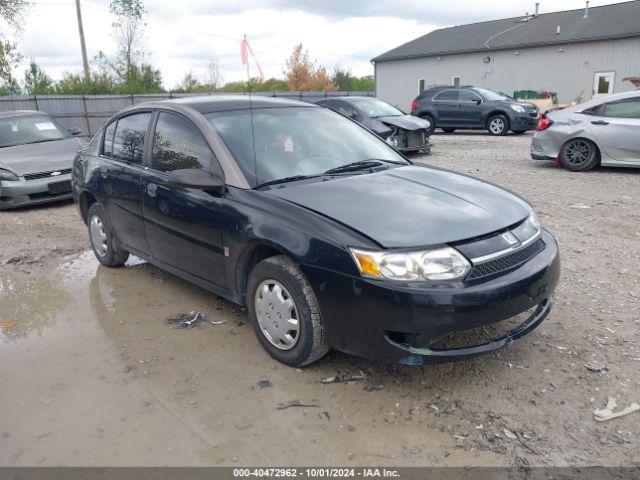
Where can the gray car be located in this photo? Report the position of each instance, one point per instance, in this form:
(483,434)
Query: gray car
(36,155)
(604,131)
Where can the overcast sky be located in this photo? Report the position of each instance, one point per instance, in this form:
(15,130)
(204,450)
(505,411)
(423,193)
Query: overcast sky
(184,35)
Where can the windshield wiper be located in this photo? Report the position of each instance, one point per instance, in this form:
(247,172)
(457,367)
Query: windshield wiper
(361,165)
(293,178)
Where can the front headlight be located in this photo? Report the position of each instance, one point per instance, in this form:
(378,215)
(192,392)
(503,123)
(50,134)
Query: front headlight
(7,176)
(517,108)
(440,264)
(534,220)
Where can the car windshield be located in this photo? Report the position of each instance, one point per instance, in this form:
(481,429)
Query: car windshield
(491,94)
(372,107)
(277,143)
(29,129)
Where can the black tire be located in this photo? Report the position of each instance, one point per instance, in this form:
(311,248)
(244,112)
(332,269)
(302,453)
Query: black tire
(432,128)
(501,125)
(448,130)
(518,132)
(109,253)
(579,155)
(310,342)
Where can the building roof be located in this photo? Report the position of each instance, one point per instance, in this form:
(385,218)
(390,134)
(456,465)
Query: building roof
(605,22)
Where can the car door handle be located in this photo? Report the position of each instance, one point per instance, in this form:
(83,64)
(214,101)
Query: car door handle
(599,122)
(152,188)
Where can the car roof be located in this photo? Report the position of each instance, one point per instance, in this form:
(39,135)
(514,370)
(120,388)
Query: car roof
(219,103)
(20,113)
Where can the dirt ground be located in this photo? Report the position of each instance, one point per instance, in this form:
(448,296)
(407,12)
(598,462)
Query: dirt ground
(93,375)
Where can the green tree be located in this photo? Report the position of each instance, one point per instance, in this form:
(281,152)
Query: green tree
(11,13)
(36,80)
(129,29)
(9,60)
(343,78)
(190,84)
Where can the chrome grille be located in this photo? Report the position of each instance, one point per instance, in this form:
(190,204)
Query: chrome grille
(36,176)
(508,262)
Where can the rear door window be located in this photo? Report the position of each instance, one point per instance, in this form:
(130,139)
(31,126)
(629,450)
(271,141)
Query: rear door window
(178,144)
(128,142)
(447,95)
(342,107)
(624,109)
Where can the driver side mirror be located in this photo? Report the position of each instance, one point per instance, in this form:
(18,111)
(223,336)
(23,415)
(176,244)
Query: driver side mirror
(75,131)
(478,101)
(197,178)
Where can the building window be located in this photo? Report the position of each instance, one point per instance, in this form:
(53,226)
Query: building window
(455,81)
(420,85)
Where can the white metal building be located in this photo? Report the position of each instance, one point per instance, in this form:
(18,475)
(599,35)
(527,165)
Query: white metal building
(575,53)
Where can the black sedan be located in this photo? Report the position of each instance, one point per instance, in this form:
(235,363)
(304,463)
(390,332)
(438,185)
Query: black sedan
(328,236)
(406,133)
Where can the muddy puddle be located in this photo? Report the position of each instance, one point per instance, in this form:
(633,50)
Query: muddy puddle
(93,375)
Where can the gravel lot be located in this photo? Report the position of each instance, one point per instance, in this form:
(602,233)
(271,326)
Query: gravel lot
(93,375)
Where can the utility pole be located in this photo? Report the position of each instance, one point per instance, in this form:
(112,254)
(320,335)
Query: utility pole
(85,62)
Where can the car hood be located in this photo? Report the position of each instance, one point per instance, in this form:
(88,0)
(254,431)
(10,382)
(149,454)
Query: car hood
(411,206)
(406,122)
(40,157)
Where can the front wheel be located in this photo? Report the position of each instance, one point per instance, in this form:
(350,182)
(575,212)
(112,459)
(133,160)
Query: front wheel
(285,313)
(432,122)
(579,155)
(104,245)
(498,125)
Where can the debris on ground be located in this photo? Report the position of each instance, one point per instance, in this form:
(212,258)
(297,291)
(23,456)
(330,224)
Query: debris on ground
(295,403)
(7,324)
(607,412)
(595,367)
(190,320)
(265,383)
(510,434)
(343,378)
(17,260)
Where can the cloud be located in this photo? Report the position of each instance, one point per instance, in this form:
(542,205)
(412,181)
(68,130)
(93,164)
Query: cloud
(182,36)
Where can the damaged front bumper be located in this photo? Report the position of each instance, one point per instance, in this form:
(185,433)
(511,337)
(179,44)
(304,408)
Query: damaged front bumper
(408,141)
(403,323)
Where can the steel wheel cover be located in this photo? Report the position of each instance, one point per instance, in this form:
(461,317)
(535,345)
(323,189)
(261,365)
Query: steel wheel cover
(98,236)
(277,314)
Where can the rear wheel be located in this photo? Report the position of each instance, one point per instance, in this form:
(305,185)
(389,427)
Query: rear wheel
(498,125)
(579,155)
(104,245)
(284,312)
(448,130)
